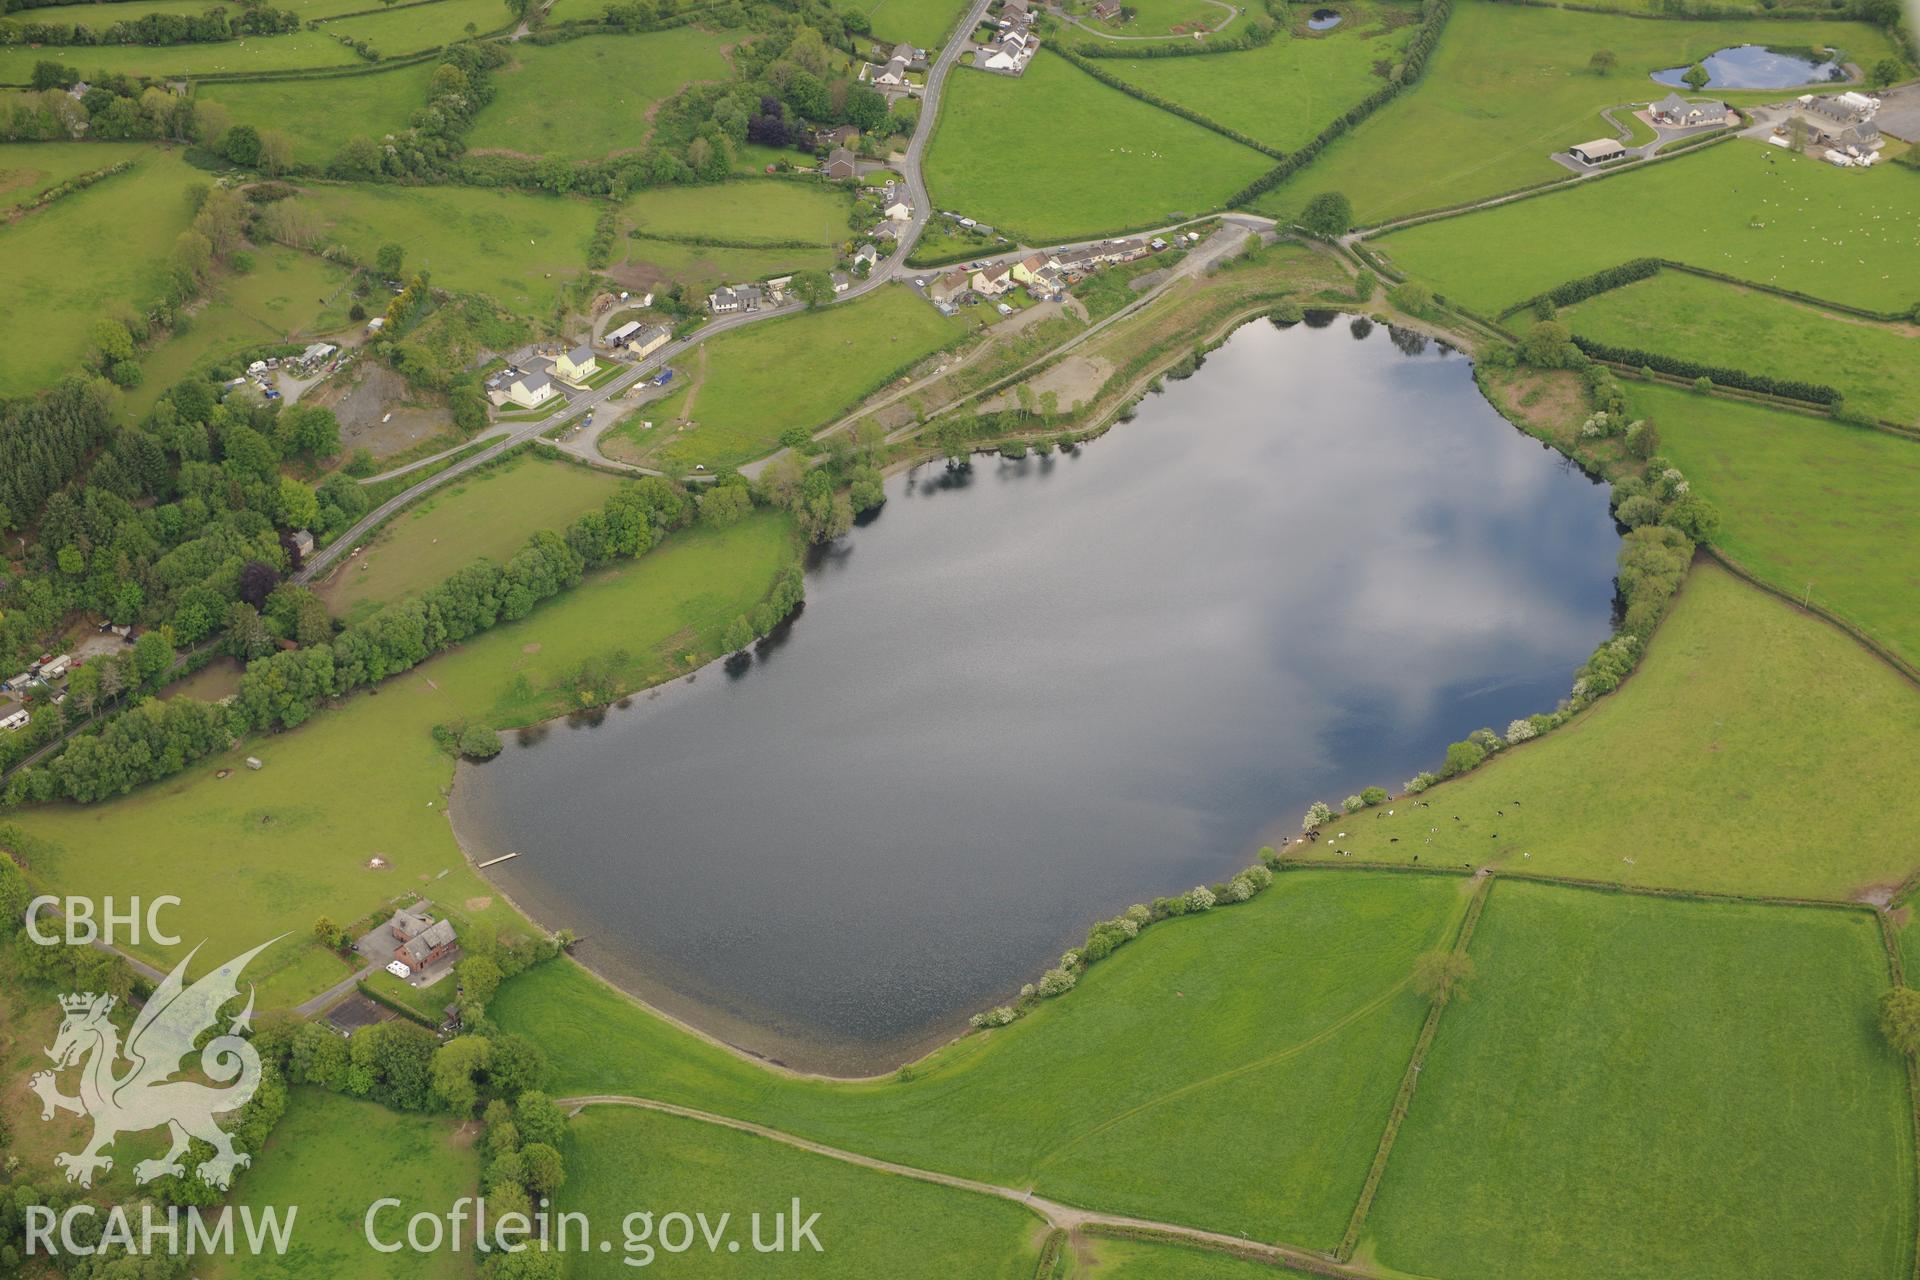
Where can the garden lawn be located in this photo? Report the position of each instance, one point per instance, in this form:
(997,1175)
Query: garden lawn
(801,371)
(763,211)
(295,50)
(1677,314)
(1645,1088)
(320,116)
(287,294)
(401,31)
(1805,503)
(924,24)
(333,1157)
(1508,86)
(29,169)
(1289,1017)
(263,852)
(65,265)
(620,1159)
(1102,162)
(488,514)
(513,247)
(1286,91)
(592,97)
(1757,749)
(1752,211)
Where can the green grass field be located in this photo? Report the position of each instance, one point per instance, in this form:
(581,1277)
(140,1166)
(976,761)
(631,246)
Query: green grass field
(1508,86)
(29,169)
(489,514)
(1110,161)
(1101,1258)
(1805,503)
(1650,1088)
(321,115)
(333,1157)
(515,248)
(1284,92)
(275,849)
(591,97)
(1290,1017)
(798,371)
(288,294)
(98,17)
(1877,366)
(760,211)
(621,1160)
(652,262)
(81,255)
(1757,749)
(921,23)
(297,50)
(402,31)
(1754,212)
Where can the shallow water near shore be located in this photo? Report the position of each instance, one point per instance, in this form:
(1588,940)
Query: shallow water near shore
(1029,694)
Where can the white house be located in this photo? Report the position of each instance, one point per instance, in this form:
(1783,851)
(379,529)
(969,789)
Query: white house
(894,203)
(531,390)
(992,281)
(866,253)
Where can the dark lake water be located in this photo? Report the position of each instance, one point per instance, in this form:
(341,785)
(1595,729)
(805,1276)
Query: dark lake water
(1323,20)
(1754,66)
(1029,695)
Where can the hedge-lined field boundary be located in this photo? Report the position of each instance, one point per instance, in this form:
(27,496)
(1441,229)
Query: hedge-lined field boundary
(78,183)
(1166,104)
(1412,64)
(1818,393)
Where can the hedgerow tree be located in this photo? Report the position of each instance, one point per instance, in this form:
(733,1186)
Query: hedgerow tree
(1441,975)
(1327,216)
(1900,1019)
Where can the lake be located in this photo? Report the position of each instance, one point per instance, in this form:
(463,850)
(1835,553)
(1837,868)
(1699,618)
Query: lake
(1029,694)
(1754,66)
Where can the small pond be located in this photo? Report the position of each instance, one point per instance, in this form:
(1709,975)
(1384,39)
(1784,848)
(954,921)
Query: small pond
(1324,20)
(1755,66)
(1029,694)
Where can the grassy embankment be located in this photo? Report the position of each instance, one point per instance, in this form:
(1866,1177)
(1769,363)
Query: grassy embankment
(516,248)
(1109,161)
(1754,212)
(592,97)
(803,370)
(1284,92)
(1633,1079)
(277,848)
(80,258)
(1290,1016)
(1724,796)
(1877,366)
(1510,85)
(486,514)
(1821,510)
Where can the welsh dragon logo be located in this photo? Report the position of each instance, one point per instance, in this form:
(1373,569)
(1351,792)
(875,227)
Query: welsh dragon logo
(145,1095)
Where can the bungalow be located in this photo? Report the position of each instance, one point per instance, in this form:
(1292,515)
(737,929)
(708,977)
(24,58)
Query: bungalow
(1675,112)
(1598,151)
(891,76)
(576,365)
(436,942)
(948,287)
(895,204)
(841,281)
(1031,266)
(886,231)
(908,54)
(999,56)
(531,390)
(992,281)
(841,165)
